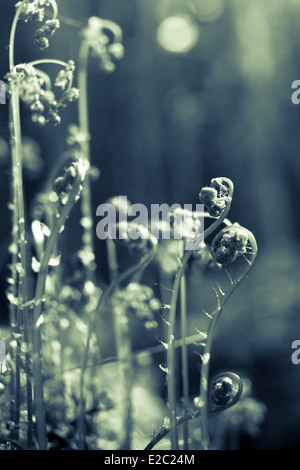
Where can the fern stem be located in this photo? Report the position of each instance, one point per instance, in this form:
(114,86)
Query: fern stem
(184,352)
(19,218)
(86,198)
(38,306)
(210,335)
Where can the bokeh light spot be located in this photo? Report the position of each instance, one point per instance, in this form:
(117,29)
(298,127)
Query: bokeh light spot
(178,34)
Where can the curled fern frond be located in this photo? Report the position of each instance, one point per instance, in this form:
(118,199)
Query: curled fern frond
(228,244)
(104,39)
(225,389)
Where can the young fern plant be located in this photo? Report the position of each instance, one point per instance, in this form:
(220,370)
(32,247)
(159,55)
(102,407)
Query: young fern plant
(229,244)
(218,198)
(32,86)
(101,39)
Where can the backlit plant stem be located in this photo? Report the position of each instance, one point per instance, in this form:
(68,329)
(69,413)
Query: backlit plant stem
(15,311)
(86,199)
(19,241)
(38,307)
(184,350)
(104,297)
(19,311)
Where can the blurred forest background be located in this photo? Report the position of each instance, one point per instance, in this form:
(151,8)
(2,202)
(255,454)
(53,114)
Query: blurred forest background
(206,95)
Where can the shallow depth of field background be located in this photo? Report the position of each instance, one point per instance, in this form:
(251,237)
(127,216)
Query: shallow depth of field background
(205,94)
